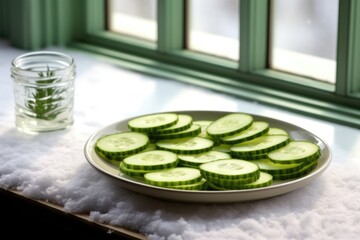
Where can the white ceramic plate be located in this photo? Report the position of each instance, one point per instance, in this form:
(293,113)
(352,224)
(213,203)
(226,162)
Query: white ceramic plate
(277,188)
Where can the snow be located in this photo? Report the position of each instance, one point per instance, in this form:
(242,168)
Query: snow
(51,166)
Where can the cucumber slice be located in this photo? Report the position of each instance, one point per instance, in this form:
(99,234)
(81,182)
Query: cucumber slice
(153,122)
(222,148)
(151,160)
(203,124)
(193,131)
(256,129)
(132,172)
(302,172)
(233,183)
(248,157)
(189,145)
(268,166)
(184,122)
(295,152)
(173,177)
(213,186)
(277,131)
(264,180)
(119,145)
(150,147)
(112,161)
(229,124)
(229,169)
(196,159)
(200,185)
(260,145)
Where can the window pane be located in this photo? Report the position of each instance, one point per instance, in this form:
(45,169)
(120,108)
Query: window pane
(133,17)
(304,37)
(213,27)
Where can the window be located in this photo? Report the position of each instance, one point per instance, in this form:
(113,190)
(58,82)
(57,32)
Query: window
(135,18)
(258,67)
(206,32)
(304,37)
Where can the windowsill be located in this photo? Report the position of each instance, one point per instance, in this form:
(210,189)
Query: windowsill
(52,167)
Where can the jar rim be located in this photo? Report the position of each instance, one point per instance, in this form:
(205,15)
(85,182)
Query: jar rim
(69,59)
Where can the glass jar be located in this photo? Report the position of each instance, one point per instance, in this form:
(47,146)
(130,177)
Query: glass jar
(43,90)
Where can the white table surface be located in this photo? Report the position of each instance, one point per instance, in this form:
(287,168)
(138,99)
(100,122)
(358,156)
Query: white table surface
(51,166)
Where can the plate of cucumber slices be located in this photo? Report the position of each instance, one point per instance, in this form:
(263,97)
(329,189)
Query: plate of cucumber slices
(208,156)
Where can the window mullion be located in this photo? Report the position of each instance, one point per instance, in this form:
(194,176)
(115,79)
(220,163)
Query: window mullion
(253,34)
(354,50)
(343,47)
(170,25)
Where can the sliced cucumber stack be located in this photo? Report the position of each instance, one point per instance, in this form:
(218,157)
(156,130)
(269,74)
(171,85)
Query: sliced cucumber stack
(200,185)
(277,131)
(229,124)
(229,169)
(194,160)
(184,122)
(192,131)
(153,122)
(151,160)
(295,152)
(232,152)
(255,130)
(260,145)
(203,124)
(264,180)
(302,172)
(132,172)
(189,145)
(270,167)
(119,145)
(173,177)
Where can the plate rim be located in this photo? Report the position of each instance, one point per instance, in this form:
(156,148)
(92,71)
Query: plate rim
(209,196)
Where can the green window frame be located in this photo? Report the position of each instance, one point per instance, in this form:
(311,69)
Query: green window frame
(81,24)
